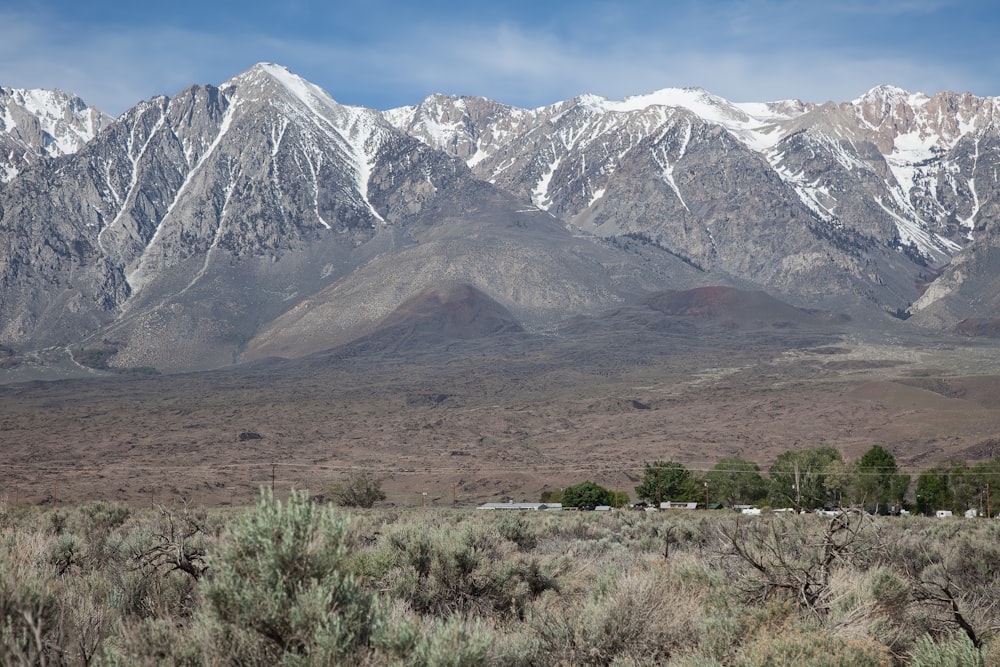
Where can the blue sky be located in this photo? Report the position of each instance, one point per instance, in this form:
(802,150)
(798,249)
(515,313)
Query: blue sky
(386,53)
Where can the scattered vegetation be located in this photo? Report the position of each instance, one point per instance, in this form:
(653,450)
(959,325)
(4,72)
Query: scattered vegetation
(99,356)
(646,239)
(293,582)
(362,489)
(95,357)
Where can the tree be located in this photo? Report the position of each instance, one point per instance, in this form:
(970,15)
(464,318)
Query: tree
(619,498)
(552,496)
(363,489)
(878,482)
(933,492)
(586,494)
(840,482)
(735,481)
(986,478)
(663,481)
(797,478)
(963,485)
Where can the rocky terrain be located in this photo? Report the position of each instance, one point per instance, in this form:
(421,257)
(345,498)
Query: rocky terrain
(251,278)
(260,217)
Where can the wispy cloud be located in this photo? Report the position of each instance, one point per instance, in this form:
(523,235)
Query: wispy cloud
(519,53)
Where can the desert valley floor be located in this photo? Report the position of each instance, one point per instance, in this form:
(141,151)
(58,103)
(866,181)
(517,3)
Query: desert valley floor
(464,421)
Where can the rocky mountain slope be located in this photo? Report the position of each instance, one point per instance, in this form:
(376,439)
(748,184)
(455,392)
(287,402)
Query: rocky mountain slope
(262,218)
(263,214)
(864,197)
(36,124)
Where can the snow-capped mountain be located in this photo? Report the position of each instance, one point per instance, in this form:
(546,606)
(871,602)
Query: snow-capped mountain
(43,123)
(261,217)
(192,222)
(889,164)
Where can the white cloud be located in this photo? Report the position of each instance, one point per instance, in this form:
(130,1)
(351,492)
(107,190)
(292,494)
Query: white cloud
(114,67)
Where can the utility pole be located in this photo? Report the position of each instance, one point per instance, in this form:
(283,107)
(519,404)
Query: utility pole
(798,488)
(659,495)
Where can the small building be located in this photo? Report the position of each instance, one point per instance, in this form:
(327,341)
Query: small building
(675,505)
(520,506)
(943,514)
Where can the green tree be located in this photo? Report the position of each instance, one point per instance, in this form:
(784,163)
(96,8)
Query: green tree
(986,477)
(552,496)
(963,485)
(619,498)
(797,478)
(362,489)
(879,483)
(664,481)
(586,494)
(933,492)
(840,482)
(734,481)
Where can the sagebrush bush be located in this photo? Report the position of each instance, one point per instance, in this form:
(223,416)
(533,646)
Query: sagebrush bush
(290,582)
(812,648)
(280,592)
(469,569)
(643,614)
(954,650)
(417,642)
(32,623)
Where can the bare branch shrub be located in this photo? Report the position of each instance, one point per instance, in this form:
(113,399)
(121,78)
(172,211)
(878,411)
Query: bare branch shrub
(794,556)
(179,546)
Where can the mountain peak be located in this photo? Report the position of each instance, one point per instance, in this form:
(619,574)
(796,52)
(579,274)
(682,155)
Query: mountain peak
(886,94)
(266,79)
(38,123)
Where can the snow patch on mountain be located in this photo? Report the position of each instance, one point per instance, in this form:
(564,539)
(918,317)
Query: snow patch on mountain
(36,124)
(140,275)
(358,130)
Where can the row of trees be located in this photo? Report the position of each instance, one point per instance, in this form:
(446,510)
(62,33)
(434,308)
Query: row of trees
(957,486)
(805,479)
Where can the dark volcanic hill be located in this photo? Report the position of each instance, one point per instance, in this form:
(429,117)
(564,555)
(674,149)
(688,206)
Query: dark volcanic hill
(457,311)
(736,306)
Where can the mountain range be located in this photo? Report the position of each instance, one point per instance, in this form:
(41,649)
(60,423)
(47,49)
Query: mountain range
(261,218)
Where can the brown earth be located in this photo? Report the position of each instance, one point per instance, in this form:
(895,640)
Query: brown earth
(505,414)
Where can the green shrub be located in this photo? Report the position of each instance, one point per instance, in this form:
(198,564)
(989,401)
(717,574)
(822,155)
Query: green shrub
(362,489)
(467,569)
(32,627)
(641,615)
(279,591)
(516,529)
(812,648)
(954,650)
(154,641)
(417,642)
